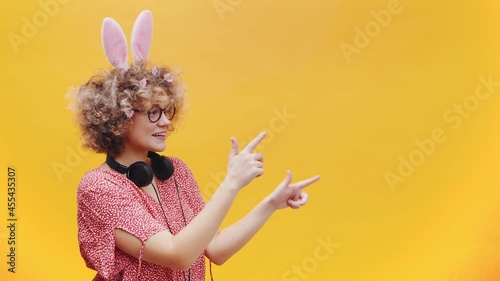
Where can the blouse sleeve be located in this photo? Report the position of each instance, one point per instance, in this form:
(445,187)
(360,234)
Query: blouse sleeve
(103,206)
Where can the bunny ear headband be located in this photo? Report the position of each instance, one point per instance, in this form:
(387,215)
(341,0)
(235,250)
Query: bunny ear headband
(115,43)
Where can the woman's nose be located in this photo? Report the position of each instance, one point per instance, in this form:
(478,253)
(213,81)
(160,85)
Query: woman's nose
(164,121)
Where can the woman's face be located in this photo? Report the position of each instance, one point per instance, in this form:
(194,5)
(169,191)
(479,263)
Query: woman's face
(146,135)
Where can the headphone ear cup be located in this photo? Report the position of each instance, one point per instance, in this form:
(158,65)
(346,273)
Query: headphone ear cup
(162,167)
(140,174)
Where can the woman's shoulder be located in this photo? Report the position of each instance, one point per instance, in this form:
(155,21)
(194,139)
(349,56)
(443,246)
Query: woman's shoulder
(98,178)
(96,175)
(177,161)
(180,165)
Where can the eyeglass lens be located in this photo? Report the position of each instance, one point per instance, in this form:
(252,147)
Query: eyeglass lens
(154,114)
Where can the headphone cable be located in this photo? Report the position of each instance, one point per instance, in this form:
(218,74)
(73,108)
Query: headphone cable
(168,225)
(185,222)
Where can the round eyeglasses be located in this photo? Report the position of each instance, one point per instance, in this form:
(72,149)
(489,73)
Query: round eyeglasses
(154,113)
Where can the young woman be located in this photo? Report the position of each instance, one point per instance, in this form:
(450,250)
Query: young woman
(141,215)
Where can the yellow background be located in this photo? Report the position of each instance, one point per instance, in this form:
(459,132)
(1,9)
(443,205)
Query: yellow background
(348,122)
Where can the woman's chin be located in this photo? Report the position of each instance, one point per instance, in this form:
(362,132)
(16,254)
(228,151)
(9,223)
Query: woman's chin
(158,148)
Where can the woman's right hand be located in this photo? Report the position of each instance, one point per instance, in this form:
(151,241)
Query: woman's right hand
(246,165)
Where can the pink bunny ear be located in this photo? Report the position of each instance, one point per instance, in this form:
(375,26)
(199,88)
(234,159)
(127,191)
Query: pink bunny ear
(142,35)
(114,43)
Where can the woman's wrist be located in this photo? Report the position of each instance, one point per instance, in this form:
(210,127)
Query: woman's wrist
(229,185)
(269,204)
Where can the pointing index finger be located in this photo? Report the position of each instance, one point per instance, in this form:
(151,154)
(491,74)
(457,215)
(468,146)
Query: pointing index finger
(304,183)
(253,144)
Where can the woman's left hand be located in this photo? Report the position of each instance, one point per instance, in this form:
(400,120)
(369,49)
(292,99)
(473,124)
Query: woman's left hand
(291,195)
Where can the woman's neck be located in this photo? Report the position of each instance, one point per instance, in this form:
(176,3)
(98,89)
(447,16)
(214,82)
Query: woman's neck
(127,157)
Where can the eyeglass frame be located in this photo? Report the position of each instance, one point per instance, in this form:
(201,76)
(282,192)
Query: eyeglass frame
(167,111)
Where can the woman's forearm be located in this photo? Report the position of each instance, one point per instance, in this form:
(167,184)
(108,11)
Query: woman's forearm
(233,238)
(196,236)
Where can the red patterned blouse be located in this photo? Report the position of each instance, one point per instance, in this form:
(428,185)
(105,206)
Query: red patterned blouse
(108,200)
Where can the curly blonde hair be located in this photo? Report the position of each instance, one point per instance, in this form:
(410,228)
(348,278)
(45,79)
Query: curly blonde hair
(101,103)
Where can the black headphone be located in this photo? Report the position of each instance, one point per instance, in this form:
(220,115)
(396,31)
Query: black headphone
(140,173)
